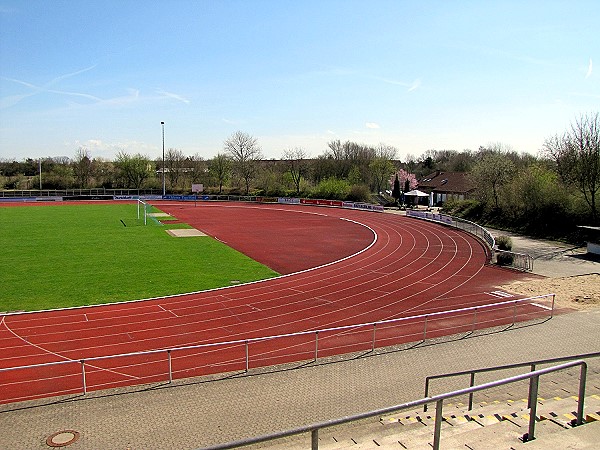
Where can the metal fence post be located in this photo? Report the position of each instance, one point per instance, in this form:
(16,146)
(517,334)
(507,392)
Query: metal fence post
(581,394)
(532,366)
(316,345)
(170,366)
(552,310)
(426,393)
(425,329)
(373,343)
(471,384)
(438,424)
(247,358)
(533,393)
(83,376)
(314,439)
(474,320)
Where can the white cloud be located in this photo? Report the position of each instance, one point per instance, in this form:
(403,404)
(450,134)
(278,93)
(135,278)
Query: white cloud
(410,86)
(173,96)
(372,125)
(589,71)
(415,85)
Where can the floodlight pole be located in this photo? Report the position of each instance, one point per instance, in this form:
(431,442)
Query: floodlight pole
(163,164)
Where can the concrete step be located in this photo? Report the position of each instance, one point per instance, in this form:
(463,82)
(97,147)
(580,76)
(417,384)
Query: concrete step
(491,437)
(414,429)
(584,437)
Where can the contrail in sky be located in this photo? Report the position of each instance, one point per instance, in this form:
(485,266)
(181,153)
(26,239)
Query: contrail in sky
(589,72)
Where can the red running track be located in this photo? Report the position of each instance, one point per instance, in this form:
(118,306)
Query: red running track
(372,267)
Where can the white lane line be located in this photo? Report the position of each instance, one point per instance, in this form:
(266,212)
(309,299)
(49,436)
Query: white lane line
(167,310)
(541,306)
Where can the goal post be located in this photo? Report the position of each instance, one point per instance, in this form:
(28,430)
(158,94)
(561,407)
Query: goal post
(141,204)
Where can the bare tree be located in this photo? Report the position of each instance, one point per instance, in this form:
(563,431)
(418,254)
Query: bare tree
(245,154)
(296,165)
(82,167)
(175,162)
(199,168)
(577,157)
(220,169)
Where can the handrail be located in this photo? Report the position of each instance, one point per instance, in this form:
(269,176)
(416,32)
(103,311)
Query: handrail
(247,341)
(521,261)
(438,400)
(472,372)
(456,222)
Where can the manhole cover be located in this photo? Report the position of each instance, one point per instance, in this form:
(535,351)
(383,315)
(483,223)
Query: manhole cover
(62,438)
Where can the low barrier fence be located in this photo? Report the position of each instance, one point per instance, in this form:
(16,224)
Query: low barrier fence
(519,261)
(125,194)
(80,375)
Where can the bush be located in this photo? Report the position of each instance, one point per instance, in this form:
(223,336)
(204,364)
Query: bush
(332,188)
(359,193)
(504,243)
(466,209)
(504,259)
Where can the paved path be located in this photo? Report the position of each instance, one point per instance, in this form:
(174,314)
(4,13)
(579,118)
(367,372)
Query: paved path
(200,413)
(553,258)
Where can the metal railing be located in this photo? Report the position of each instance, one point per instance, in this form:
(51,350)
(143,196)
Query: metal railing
(475,317)
(456,222)
(519,261)
(534,378)
(471,373)
(75,191)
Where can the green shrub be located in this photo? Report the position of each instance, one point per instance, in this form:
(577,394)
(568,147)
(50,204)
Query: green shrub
(504,243)
(504,259)
(359,193)
(467,209)
(332,188)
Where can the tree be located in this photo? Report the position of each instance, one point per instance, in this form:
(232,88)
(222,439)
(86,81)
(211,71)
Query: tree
(82,167)
(577,157)
(245,154)
(133,170)
(408,181)
(396,189)
(175,162)
(199,168)
(493,170)
(381,166)
(220,169)
(296,165)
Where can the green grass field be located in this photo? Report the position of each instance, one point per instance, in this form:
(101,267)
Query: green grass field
(72,255)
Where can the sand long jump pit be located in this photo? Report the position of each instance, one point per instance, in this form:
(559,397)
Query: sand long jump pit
(185,232)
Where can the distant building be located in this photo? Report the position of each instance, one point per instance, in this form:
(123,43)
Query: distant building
(447,186)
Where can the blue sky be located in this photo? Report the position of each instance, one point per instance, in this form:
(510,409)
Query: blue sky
(417,75)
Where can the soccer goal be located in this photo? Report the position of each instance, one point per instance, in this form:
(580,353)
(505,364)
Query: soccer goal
(142,210)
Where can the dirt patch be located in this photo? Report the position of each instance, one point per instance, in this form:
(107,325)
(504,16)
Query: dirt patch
(579,292)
